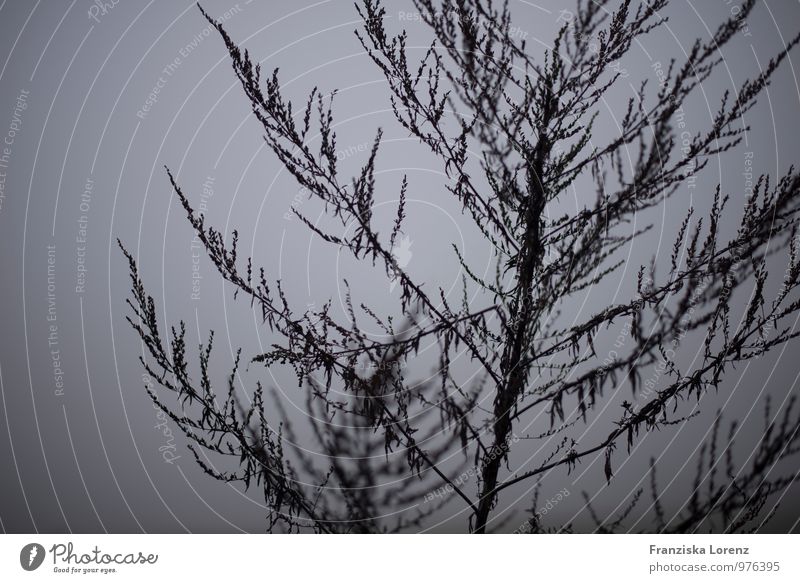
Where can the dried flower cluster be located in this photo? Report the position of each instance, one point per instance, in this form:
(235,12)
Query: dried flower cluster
(479,89)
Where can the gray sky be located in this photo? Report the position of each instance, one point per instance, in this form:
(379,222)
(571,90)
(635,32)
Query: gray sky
(93,103)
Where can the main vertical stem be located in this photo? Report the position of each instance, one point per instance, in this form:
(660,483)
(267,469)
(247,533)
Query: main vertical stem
(516,345)
(516,376)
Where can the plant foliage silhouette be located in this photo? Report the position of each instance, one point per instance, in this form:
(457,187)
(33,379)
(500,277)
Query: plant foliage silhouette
(513,133)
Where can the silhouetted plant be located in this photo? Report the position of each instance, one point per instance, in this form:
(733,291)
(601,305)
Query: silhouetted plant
(478,89)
